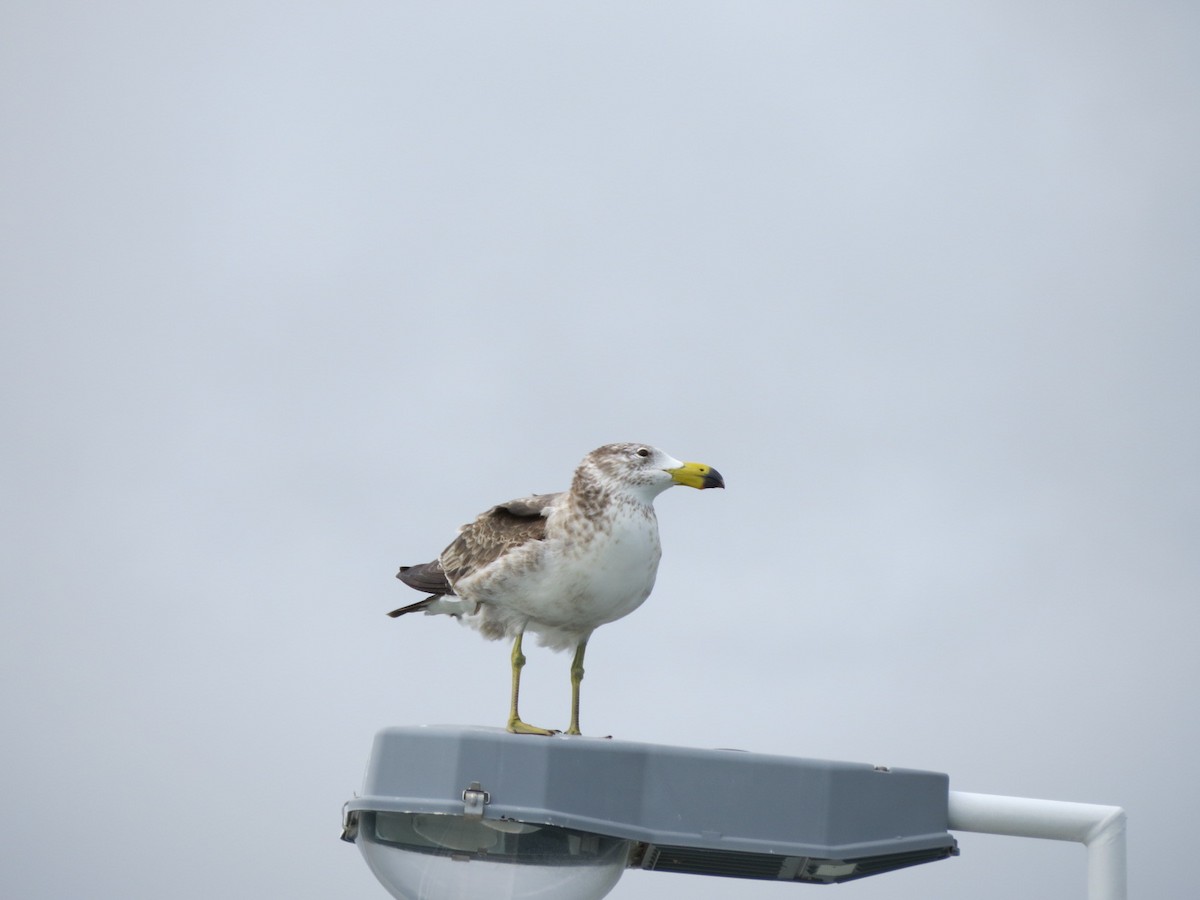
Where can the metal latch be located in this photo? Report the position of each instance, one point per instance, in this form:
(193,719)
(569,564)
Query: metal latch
(349,823)
(474,798)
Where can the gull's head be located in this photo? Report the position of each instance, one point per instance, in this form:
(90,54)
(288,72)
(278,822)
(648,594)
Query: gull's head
(646,471)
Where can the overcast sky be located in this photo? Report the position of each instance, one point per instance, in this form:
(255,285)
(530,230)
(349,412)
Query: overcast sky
(291,290)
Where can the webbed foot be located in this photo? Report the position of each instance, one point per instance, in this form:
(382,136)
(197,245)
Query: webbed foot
(518,726)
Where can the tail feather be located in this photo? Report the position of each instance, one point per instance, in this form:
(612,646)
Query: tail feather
(419,606)
(439,605)
(431,578)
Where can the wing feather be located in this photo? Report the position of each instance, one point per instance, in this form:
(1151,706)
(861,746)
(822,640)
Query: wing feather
(500,530)
(533,505)
(428,577)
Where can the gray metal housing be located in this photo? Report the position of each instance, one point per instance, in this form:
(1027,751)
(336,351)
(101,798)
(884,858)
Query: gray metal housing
(722,812)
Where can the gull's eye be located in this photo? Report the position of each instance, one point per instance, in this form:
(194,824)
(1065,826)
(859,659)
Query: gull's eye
(643,452)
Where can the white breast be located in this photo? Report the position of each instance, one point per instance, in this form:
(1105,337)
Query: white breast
(583,584)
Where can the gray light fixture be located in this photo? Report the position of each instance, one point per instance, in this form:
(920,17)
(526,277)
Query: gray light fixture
(449,811)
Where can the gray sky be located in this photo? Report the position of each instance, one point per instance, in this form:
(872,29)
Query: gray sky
(292,290)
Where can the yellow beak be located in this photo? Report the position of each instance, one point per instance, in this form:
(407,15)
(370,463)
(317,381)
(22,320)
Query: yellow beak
(697,475)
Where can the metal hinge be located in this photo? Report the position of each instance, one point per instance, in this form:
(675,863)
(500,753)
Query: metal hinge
(474,798)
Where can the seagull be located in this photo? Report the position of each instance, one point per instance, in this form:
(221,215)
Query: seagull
(558,565)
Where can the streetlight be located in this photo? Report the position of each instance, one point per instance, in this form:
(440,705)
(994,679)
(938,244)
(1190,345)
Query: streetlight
(464,812)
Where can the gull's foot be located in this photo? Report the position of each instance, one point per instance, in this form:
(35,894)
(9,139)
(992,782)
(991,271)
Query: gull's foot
(574,729)
(517,726)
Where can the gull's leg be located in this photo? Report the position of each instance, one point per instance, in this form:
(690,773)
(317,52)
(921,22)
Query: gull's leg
(576,679)
(515,725)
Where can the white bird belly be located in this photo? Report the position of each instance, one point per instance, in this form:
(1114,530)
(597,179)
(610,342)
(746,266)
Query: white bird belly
(580,585)
(593,588)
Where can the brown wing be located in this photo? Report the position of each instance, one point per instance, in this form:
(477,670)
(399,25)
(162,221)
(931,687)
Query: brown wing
(428,577)
(533,505)
(494,533)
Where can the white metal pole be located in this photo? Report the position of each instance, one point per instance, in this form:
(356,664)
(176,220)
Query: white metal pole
(1100,828)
